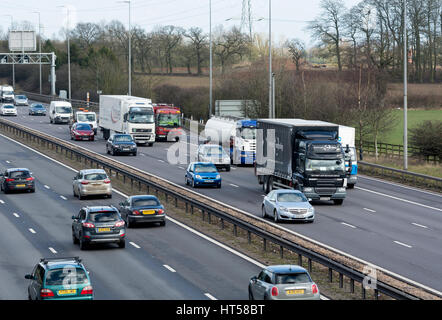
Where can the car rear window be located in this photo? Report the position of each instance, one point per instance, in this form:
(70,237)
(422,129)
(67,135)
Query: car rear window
(38,106)
(67,275)
(103,216)
(19,175)
(145,202)
(292,278)
(95,176)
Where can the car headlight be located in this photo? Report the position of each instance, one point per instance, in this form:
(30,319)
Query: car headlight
(341,189)
(198,176)
(311,210)
(218,177)
(283,209)
(308,189)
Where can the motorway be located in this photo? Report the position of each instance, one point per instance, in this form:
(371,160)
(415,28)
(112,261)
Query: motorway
(394,227)
(167,263)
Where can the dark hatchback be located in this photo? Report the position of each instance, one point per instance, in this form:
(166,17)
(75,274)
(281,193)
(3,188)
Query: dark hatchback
(138,209)
(37,110)
(98,225)
(121,143)
(17,179)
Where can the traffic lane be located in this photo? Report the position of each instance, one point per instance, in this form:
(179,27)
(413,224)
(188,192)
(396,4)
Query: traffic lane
(188,252)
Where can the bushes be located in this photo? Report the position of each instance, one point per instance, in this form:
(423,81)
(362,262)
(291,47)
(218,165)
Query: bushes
(427,137)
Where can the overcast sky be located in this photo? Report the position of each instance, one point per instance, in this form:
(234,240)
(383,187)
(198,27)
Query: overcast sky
(288,16)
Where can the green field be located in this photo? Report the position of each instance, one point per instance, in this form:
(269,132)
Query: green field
(415,117)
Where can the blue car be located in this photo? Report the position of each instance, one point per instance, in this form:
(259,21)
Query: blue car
(37,109)
(202,174)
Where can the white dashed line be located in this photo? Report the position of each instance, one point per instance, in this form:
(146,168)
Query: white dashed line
(2,202)
(169,268)
(135,245)
(419,225)
(16,215)
(8,161)
(31,230)
(208,295)
(162,161)
(234,185)
(369,210)
(47,187)
(52,250)
(403,244)
(348,225)
(63,197)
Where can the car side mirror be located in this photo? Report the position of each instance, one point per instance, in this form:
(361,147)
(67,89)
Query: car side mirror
(29,277)
(254,279)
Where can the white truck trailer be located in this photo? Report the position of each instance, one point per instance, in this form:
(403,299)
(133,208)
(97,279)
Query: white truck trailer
(128,115)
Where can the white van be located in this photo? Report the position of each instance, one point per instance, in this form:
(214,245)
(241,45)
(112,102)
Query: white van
(60,112)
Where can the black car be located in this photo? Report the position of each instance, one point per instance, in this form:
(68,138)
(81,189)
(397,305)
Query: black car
(17,179)
(37,109)
(142,209)
(121,143)
(98,225)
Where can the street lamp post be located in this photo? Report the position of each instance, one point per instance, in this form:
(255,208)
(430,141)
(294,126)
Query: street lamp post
(271,111)
(211,60)
(130,48)
(13,60)
(405,89)
(69,50)
(39,45)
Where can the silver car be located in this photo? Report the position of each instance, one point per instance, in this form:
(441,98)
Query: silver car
(215,154)
(284,282)
(288,205)
(91,182)
(21,100)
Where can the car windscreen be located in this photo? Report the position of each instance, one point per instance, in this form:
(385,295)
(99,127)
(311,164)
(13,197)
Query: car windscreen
(19,175)
(8,107)
(63,109)
(291,197)
(214,151)
(20,97)
(205,168)
(293,278)
(123,139)
(90,117)
(145,202)
(67,275)
(103,216)
(83,127)
(95,176)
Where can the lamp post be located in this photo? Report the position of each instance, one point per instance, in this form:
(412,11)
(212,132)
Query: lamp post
(211,60)
(271,111)
(39,45)
(405,89)
(13,60)
(69,50)
(130,48)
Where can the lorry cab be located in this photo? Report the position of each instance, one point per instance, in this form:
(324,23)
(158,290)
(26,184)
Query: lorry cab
(168,122)
(60,112)
(85,116)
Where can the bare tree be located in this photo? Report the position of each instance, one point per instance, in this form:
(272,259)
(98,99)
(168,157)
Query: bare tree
(297,51)
(199,43)
(230,44)
(170,37)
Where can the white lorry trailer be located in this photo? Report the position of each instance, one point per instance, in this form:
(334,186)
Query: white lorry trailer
(128,115)
(238,135)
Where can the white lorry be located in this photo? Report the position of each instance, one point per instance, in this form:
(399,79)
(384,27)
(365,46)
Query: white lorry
(236,134)
(128,115)
(347,138)
(6,94)
(60,112)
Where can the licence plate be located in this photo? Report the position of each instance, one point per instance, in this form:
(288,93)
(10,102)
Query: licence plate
(293,292)
(324,199)
(20,185)
(148,211)
(62,292)
(209,181)
(103,230)
(126,149)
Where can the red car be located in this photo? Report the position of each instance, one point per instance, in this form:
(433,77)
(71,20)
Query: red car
(82,131)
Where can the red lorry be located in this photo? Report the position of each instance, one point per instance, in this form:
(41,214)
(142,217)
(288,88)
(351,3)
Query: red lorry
(168,121)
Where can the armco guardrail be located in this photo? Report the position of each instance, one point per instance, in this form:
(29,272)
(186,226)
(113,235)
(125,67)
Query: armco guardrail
(386,283)
(405,177)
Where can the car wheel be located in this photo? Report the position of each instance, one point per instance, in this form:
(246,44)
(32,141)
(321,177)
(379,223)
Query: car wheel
(251,295)
(186,181)
(275,216)
(263,212)
(113,152)
(228,168)
(122,244)
(74,238)
(80,197)
(32,190)
(109,196)
(219,186)
(351,186)
(338,202)
(129,224)
(82,244)
(163,223)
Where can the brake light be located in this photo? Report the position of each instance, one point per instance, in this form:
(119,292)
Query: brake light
(46,293)
(161,211)
(136,212)
(119,223)
(314,289)
(84,182)
(88,290)
(107,181)
(9,180)
(275,291)
(30,179)
(88,225)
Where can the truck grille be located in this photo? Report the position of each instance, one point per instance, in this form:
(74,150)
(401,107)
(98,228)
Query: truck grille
(325,191)
(142,130)
(327,183)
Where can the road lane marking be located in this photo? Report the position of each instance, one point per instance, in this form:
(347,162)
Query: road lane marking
(208,295)
(403,244)
(348,225)
(2,202)
(169,268)
(63,197)
(234,185)
(419,225)
(52,250)
(161,161)
(47,187)
(369,210)
(135,245)
(16,215)
(8,161)
(31,230)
